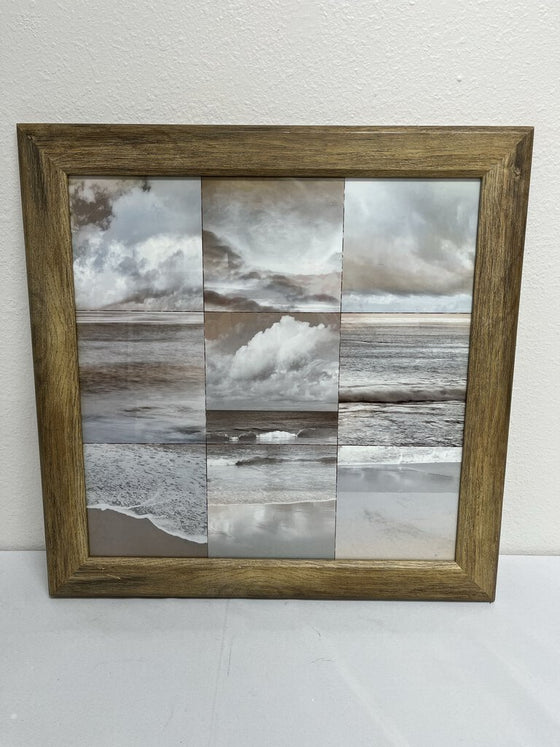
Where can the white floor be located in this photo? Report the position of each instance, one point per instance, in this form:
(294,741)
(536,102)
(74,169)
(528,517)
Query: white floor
(274,673)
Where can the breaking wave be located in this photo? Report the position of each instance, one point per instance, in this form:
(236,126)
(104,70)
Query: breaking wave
(274,437)
(259,460)
(394,394)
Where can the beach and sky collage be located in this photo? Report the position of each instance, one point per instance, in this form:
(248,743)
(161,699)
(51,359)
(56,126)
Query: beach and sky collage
(273,367)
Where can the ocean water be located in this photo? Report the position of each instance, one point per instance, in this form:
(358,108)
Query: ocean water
(271,501)
(403,379)
(141,377)
(277,473)
(254,427)
(403,424)
(165,483)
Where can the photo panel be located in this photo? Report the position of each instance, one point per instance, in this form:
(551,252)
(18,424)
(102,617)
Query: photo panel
(403,379)
(146,499)
(397,503)
(409,245)
(272,376)
(137,244)
(272,244)
(142,377)
(271,501)
(272,362)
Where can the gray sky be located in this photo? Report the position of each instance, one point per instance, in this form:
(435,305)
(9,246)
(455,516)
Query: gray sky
(137,243)
(282,237)
(409,245)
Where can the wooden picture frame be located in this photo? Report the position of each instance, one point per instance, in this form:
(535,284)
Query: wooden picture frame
(499,156)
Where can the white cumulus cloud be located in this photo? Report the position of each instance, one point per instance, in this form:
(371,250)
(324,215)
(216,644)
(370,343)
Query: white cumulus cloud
(288,345)
(288,365)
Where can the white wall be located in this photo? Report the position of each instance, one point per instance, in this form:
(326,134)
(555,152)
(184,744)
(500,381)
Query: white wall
(436,62)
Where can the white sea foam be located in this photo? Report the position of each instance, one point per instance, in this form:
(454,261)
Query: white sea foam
(364,456)
(158,522)
(267,474)
(163,483)
(273,437)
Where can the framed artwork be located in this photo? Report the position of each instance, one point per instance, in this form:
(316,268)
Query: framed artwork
(273,361)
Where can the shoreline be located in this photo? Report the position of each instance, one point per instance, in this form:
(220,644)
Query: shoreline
(113,533)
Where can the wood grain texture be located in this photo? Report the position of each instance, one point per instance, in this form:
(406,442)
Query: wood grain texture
(499,156)
(293,579)
(273,151)
(497,281)
(53,329)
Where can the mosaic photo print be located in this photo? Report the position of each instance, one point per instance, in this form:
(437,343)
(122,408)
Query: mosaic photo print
(273,367)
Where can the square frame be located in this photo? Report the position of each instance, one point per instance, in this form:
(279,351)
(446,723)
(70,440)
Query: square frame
(499,156)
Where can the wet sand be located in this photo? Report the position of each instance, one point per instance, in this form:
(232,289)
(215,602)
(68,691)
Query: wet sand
(396,526)
(274,530)
(115,533)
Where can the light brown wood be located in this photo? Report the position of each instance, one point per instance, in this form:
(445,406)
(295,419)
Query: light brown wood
(501,157)
(501,231)
(53,328)
(295,579)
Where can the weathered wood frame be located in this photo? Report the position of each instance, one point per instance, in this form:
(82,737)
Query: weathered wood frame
(499,156)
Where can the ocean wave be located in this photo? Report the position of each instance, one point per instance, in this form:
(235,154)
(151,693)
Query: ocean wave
(316,432)
(274,437)
(268,436)
(260,460)
(165,484)
(268,498)
(394,394)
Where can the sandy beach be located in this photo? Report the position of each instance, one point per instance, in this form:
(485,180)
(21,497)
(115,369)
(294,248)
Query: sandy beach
(397,510)
(385,526)
(115,533)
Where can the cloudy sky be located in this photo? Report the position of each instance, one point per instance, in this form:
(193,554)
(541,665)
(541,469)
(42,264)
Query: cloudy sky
(137,244)
(272,243)
(271,361)
(409,245)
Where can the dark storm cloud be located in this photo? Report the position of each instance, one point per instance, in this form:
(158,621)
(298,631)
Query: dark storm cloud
(137,243)
(273,243)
